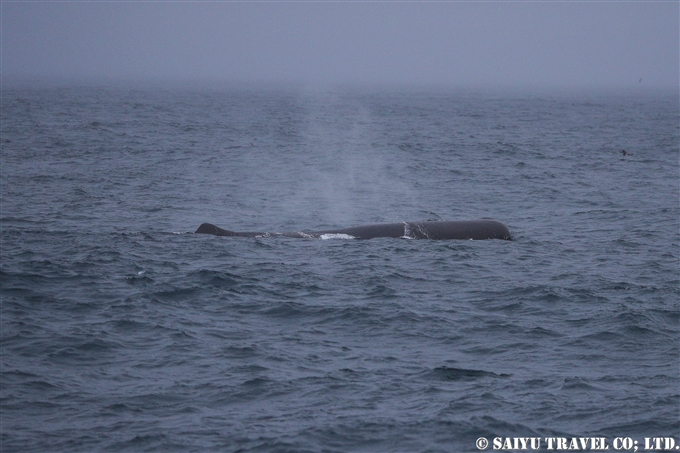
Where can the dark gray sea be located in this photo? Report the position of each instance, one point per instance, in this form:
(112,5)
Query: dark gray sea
(122,331)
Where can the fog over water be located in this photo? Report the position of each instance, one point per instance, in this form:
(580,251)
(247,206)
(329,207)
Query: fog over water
(470,44)
(124,125)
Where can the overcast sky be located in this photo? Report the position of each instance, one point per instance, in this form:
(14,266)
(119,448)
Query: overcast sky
(452,43)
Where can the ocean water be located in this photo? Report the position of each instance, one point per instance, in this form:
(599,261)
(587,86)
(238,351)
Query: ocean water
(121,330)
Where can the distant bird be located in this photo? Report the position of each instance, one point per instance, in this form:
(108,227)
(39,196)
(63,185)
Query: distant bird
(640,81)
(626,153)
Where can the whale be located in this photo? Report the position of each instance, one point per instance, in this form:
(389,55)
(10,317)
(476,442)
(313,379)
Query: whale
(437,230)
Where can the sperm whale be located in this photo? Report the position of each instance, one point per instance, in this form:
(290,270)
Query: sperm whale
(438,230)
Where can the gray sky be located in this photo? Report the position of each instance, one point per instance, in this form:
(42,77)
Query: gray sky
(520,44)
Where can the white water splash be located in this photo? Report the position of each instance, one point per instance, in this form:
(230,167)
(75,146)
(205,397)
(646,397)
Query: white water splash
(336,236)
